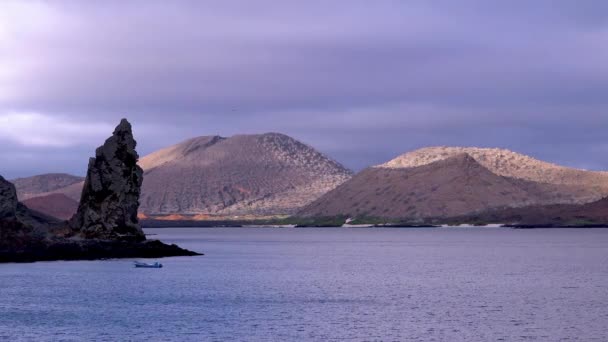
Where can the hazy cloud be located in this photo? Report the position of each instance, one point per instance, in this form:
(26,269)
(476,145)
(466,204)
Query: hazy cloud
(362,81)
(34,129)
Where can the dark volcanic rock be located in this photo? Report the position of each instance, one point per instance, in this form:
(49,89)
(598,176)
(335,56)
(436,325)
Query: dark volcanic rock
(8,199)
(110,198)
(12,231)
(18,225)
(105,225)
(69,249)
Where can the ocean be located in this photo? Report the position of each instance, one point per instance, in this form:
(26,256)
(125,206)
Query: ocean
(324,284)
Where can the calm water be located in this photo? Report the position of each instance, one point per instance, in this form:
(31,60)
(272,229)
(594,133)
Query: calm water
(459,284)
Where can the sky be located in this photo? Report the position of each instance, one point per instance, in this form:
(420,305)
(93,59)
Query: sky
(361,81)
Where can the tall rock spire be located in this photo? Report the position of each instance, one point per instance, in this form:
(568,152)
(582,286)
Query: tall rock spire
(110,197)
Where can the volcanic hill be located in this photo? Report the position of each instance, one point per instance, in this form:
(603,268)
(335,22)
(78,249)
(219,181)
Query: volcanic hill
(441,182)
(265,174)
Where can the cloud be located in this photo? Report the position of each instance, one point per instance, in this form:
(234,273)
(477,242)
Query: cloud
(39,130)
(184,56)
(362,81)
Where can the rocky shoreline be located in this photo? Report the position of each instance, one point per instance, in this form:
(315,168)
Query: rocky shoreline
(66,249)
(104,227)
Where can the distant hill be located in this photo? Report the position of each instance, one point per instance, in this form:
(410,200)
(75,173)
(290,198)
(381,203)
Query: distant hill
(246,175)
(511,164)
(56,205)
(444,182)
(263,174)
(272,174)
(48,183)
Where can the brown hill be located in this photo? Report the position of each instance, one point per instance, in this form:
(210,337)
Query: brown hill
(241,175)
(447,187)
(73,191)
(511,164)
(56,205)
(42,185)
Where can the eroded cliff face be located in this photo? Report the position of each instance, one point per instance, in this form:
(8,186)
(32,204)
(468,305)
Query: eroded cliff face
(18,226)
(110,197)
(8,199)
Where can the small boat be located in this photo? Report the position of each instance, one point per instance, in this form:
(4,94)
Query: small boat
(146,265)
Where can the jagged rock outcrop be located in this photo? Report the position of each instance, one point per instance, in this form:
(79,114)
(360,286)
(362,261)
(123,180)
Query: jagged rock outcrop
(8,200)
(105,225)
(27,235)
(110,197)
(18,225)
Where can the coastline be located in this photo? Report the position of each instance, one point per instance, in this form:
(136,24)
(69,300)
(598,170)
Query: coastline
(66,249)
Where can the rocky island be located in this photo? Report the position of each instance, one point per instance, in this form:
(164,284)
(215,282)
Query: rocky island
(106,223)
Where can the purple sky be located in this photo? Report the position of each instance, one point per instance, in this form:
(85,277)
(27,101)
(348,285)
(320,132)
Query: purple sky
(361,81)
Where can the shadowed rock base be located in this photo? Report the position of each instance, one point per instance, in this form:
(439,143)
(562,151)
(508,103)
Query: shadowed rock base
(66,249)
